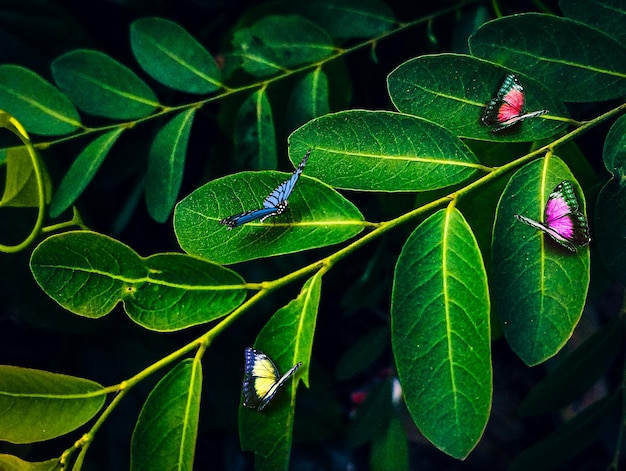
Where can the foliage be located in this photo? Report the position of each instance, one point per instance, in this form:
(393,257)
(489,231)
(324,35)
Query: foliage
(459,270)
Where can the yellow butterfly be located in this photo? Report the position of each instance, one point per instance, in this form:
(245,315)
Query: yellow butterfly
(262,379)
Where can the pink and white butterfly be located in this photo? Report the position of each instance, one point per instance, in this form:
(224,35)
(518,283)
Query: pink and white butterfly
(563,221)
(507,108)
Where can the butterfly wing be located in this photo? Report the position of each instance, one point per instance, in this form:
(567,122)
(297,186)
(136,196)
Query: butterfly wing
(283,191)
(563,221)
(262,379)
(507,108)
(566,223)
(262,214)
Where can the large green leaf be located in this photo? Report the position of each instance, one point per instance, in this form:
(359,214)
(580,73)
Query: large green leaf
(82,171)
(382,151)
(165,433)
(453,89)
(287,338)
(440,332)
(347,19)
(538,287)
(277,43)
(317,216)
(255,138)
(166,165)
(173,57)
(609,16)
(577,62)
(38,405)
(89,274)
(38,105)
(100,85)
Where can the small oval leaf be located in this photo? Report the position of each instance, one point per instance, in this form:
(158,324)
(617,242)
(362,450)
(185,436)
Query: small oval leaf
(255,137)
(166,165)
(100,85)
(38,105)
(173,57)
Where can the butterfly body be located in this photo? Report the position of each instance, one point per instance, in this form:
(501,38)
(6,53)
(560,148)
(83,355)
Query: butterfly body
(563,220)
(274,204)
(507,108)
(262,379)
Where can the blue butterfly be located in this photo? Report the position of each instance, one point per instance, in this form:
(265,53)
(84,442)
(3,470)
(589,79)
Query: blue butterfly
(276,202)
(262,379)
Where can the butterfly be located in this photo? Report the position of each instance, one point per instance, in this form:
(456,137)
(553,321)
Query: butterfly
(275,203)
(563,221)
(507,108)
(262,379)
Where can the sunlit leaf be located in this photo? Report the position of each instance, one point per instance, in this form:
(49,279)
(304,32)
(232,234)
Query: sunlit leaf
(382,151)
(452,90)
(89,274)
(317,216)
(38,405)
(166,430)
(440,332)
(538,287)
(287,338)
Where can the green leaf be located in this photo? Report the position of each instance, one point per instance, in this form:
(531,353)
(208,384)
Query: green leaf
(317,216)
(309,98)
(165,433)
(390,451)
(21,189)
(423,87)
(382,151)
(550,48)
(82,171)
(609,16)
(35,103)
(577,372)
(348,19)
(280,43)
(100,85)
(610,227)
(38,405)
(13,463)
(173,57)
(569,440)
(538,287)
(255,139)
(89,274)
(440,332)
(166,165)
(287,339)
